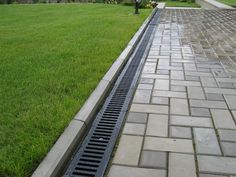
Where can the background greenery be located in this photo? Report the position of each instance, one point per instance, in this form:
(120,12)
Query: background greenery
(143,4)
(52,57)
(229,2)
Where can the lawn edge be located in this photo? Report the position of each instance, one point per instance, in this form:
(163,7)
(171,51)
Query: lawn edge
(61,151)
(213,4)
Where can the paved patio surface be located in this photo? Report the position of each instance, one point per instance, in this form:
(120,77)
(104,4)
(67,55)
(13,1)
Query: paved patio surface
(182,119)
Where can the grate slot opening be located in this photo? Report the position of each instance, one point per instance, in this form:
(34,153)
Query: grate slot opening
(94,151)
(102,134)
(83,174)
(103,131)
(90,160)
(99,141)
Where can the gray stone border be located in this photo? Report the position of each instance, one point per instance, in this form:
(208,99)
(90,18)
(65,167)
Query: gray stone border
(60,153)
(212,4)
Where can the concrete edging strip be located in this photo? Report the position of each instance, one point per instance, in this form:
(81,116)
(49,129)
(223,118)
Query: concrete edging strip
(212,4)
(61,151)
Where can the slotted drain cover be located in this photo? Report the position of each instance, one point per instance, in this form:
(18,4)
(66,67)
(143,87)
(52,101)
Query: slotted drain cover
(93,156)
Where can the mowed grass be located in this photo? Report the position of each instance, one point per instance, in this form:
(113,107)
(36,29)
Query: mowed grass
(229,2)
(176,3)
(52,57)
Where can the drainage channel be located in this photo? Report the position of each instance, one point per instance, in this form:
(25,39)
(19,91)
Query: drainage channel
(94,154)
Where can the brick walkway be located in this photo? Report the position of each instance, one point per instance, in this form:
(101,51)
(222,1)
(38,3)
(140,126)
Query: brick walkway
(182,119)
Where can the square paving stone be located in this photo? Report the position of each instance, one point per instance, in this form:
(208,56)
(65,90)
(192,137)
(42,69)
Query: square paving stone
(195,93)
(179,106)
(157,125)
(125,171)
(161,84)
(128,150)
(181,165)
(153,159)
(229,148)
(142,96)
(134,129)
(206,141)
(214,96)
(137,117)
(177,75)
(180,132)
(204,112)
(160,100)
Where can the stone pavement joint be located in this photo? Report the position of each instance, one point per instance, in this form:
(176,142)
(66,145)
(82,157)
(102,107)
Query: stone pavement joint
(182,119)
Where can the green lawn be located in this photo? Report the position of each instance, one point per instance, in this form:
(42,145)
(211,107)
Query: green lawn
(229,2)
(176,3)
(52,57)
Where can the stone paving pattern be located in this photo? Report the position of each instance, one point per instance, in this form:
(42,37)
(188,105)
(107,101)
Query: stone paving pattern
(182,119)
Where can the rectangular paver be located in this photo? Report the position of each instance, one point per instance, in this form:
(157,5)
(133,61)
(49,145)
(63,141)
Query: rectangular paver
(169,94)
(193,73)
(208,104)
(185,83)
(220,91)
(168,144)
(137,117)
(153,159)
(190,121)
(180,132)
(227,135)
(124,171)
(145,108)
(216,164)
(134,129)
(229,148)
(211,175)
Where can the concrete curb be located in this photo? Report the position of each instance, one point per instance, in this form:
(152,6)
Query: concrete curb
(61,152)
(212,4)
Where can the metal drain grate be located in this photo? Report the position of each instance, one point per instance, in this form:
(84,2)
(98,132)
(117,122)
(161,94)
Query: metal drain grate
(93,156)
